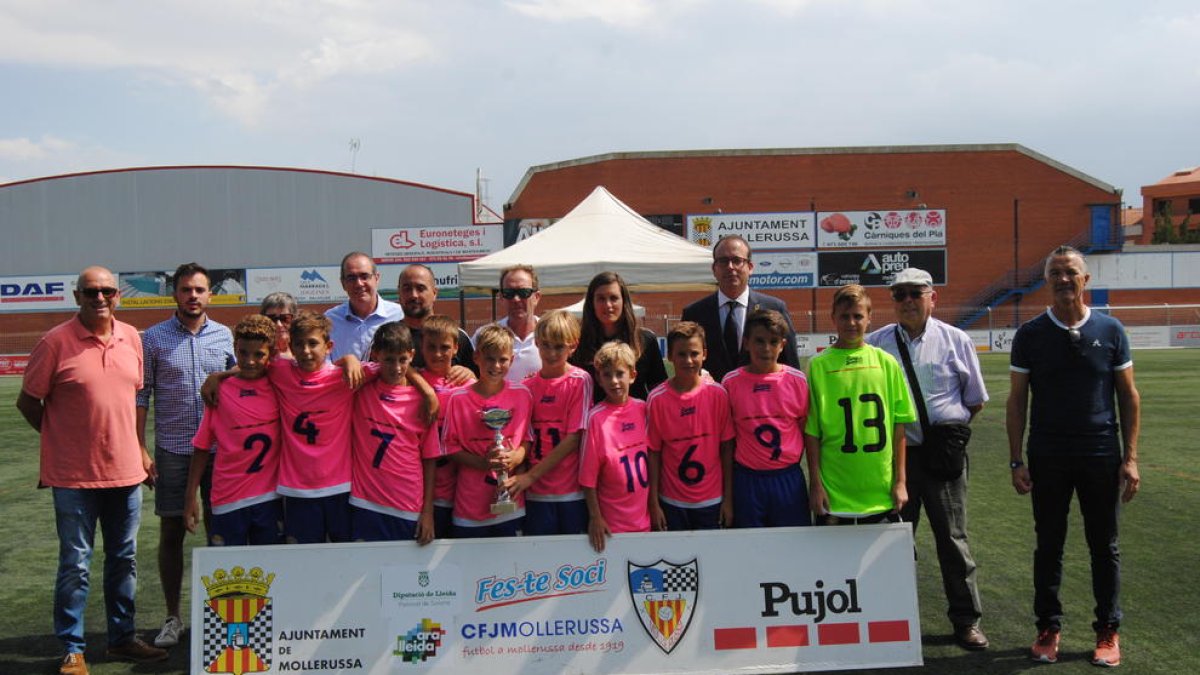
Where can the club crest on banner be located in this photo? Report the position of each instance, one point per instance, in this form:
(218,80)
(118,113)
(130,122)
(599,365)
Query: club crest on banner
(664,596)
(237,622)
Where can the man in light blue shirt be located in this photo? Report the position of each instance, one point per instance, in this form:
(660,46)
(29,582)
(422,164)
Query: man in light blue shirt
(179,354)
(355,321)
(947,369)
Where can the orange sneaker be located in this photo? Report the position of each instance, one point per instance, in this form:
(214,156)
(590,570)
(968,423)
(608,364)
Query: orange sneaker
(1045,647)
(73,664)
(1108,648)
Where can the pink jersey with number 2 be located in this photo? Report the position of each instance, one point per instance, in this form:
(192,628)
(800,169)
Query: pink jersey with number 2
(245,428)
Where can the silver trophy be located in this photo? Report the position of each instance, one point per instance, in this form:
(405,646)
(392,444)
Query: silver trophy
(495,419)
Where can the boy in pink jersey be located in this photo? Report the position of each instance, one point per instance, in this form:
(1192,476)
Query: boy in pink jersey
(614,468)
(562,393)
(439,345)
(769,403)
(470,443)
(245,430)
(394,450)
(691,441)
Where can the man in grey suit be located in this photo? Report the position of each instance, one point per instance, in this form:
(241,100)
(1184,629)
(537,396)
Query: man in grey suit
(723,313)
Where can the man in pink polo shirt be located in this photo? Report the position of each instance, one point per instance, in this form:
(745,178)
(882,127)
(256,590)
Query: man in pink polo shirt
(78,392)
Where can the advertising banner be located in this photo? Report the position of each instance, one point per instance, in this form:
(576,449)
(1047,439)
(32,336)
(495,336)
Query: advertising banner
(686,602)
(13,364)
(37,293)
(1185,336)
(784,270)
(914,227)
(763,231)
(445,275)
(306,284)
(153,289)
(877,268)
(422,244)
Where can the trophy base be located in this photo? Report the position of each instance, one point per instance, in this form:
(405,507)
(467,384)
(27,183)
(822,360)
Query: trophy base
(503,508)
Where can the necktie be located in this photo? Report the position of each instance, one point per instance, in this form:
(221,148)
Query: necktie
(730,333)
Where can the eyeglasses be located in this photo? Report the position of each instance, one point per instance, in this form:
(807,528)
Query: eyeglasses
(284,319)
(93,293)
(731,260)
(365,276)
(522,293)
(1076,340)
(900,295)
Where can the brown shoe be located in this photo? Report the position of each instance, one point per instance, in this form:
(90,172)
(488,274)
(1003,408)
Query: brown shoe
(137,651)
(970,638)
(73,664)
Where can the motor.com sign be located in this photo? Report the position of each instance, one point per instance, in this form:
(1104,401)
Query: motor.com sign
(424,244)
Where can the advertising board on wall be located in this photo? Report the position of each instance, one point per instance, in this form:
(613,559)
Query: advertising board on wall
(784,270)
(445,275)
(37,293)
(421,244)
(763,231)
(306,284)
(854,229)
(878,267)
(670,602)
(153,288)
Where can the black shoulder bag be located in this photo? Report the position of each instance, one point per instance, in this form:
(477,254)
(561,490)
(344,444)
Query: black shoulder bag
(944,450)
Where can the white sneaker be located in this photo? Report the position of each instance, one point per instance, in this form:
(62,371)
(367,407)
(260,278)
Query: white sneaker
(169,635)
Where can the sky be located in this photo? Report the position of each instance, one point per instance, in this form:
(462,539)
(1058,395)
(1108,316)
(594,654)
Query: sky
(433,91)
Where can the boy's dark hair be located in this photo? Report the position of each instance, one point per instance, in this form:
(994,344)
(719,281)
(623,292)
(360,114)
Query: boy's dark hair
(391,337)
(187,270)
(255,327)
(769,319)
(307,322)
(439,326)
(851,294)
(684,330)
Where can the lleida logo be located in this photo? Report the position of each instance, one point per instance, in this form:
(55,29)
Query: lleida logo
(420,643)
(664,595)
(237,622)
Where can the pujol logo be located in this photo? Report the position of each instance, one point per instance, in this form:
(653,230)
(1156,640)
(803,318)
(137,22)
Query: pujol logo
(817,603)
(664,596)
(237,622)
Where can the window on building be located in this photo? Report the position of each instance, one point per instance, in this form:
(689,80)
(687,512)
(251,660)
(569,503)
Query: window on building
(1194,205)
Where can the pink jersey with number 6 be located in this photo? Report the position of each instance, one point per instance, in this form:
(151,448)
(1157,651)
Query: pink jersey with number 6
(688,429)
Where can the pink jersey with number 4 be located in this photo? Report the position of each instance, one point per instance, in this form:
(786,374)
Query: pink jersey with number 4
(390,441)
(464,431)
(446,473)
(560,406)
(768,415)
(614,461)
(245,428)
(688,429)
(314,424)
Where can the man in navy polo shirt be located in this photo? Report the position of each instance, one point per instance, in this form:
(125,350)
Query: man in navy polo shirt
(1076,363)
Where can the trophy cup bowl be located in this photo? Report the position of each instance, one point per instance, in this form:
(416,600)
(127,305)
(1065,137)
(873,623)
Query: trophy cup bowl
(495,419)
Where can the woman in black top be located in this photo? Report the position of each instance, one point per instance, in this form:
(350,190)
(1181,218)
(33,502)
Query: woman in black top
(608,315)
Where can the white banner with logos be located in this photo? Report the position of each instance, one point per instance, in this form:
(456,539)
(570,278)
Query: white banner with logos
(445,275)
(37,293)
(852,229)
(784,270)
(306,284)
(763,231)
(812,599)
(422,244)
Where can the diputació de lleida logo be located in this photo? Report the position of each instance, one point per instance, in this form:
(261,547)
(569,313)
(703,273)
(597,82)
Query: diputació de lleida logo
(237,622)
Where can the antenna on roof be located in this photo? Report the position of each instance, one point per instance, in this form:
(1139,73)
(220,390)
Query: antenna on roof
(355,144)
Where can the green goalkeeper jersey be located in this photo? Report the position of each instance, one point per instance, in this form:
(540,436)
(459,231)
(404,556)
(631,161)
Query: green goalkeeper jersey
(857,396)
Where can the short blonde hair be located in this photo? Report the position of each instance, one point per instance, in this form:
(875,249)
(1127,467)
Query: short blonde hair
(558,326)
(851,294)
(439,326)
(494,338)
(614,353)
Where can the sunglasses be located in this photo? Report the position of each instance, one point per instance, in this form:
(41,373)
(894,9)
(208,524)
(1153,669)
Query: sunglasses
(93,293)
(522,293)
(284,319)
(900,295)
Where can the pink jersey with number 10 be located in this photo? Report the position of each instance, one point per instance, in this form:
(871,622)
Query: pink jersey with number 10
(688,429)
(769,411)
(315,428)
(560,406)
(613,460)
(245,428)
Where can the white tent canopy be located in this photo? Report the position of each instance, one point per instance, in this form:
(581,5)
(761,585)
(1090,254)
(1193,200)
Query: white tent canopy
(600,234)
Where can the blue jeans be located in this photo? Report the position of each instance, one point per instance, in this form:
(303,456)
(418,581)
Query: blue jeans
(76,511)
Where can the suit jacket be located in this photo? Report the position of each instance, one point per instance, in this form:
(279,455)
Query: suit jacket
(706,312)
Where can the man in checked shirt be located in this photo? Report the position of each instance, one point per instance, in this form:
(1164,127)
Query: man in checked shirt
(179,354)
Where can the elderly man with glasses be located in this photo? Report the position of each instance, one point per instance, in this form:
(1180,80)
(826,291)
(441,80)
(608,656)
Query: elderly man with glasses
(723,313)
(355,321)
(519,291)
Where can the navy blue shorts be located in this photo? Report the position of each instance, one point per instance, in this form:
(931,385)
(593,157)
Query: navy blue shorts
(505,529)
(443,522)
(680,519)
(556,517)
(367,525)
(316,520)
(255,525)
(777,498)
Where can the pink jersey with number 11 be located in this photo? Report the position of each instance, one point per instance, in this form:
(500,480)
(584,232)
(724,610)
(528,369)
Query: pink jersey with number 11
(560,406)
(245,428)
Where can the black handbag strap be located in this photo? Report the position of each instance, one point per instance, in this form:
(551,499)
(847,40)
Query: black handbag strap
(912,381)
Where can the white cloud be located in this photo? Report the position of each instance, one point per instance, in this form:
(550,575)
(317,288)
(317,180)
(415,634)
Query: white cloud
(26,149)
(620,13)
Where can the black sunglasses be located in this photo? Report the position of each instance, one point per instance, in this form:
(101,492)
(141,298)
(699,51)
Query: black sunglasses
(93,293)
(899,295)
(522,293)
(280,318)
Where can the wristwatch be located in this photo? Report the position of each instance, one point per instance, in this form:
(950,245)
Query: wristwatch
(1016,464)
